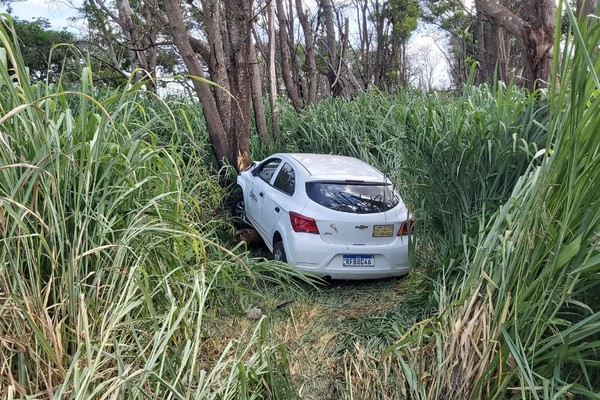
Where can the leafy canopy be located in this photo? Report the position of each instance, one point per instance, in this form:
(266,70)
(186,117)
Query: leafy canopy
(37,40)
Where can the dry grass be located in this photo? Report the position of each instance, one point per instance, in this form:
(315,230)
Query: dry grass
(327,358)
(329,353)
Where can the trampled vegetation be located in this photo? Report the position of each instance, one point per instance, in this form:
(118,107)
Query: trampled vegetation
(118,277)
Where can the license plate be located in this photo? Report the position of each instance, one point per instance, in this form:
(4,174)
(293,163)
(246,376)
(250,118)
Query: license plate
(383,230)
(358,261)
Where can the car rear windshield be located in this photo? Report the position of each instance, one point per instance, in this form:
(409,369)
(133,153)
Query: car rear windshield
(355,198)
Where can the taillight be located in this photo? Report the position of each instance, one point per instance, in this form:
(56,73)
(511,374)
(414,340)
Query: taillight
(406,226)
(300,223)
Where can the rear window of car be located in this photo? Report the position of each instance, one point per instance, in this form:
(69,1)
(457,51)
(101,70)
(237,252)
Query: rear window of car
(355,198)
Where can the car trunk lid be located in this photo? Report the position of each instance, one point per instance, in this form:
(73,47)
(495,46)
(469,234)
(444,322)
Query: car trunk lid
(354,212)
(366,230)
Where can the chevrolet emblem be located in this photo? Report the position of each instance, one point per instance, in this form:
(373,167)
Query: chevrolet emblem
(361,227)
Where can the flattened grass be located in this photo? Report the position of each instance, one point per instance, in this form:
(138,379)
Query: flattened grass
(332,332)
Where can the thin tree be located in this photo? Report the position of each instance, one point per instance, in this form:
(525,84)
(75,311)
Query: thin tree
(272,72)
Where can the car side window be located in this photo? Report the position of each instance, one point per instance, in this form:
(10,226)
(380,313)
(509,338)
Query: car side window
(268,169)
(286,180)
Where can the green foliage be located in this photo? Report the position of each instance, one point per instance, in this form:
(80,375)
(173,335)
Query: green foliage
(38,47)
(525,317)
(366,127)
(508,224)
(114,279)
(453,158)
(404,16)
(463,158)
(450,16)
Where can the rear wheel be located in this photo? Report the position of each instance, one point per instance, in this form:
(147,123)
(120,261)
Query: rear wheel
(279,252)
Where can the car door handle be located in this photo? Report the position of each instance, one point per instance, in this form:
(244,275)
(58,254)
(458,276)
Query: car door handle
(261,194)
(277,209)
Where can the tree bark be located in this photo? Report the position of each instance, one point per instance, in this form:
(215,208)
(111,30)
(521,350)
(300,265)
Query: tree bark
(257,97)
(379,68)
(539,17)
(239,28)
(273,101)
(492,51)
(335,83)
(216,132)
(294,58)
(365,42)
(217,63)
(309,50)
(284,51)
(534,33)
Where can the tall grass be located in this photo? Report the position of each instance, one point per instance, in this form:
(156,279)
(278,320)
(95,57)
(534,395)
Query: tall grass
(111,271)
(114,284)
(461,159)
(365,127)
(455,159)
(524,319)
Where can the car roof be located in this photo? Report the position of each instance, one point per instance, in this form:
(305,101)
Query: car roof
(335,167)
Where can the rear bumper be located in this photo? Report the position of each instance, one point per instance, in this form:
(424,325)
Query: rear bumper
(309,253)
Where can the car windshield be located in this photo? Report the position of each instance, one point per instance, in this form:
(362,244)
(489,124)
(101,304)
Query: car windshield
(355,198)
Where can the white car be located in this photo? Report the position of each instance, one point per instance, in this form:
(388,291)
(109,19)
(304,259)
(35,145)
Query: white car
(332,216)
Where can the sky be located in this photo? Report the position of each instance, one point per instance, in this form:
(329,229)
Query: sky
(57,12)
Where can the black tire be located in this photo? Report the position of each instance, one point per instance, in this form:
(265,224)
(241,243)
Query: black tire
(238,209)
(279,252)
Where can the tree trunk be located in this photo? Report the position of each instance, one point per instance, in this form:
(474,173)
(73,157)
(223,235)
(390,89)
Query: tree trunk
(311,63)
(479,33)
(539,17)
(327,10)
(257,98)
(492,47)
(216,132)
(534,33)
(284,51)
(228,62)
(365,44)
(294,59)
(379,68)
(218,61)
(239,28)
(273,101)
(334,64)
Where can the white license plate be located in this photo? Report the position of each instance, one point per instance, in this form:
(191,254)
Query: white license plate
(358,261)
